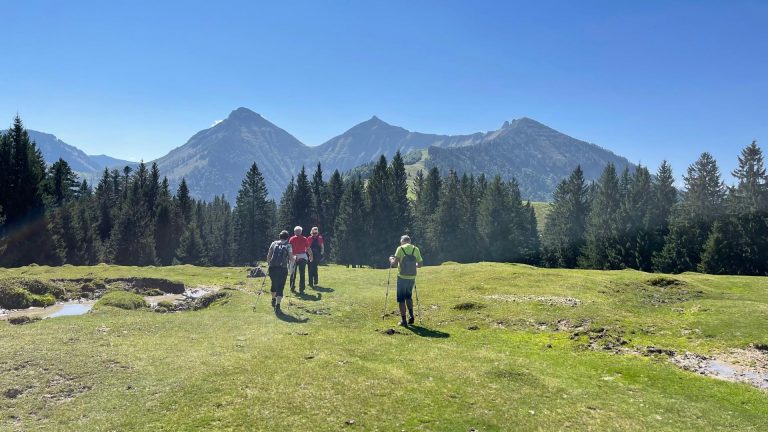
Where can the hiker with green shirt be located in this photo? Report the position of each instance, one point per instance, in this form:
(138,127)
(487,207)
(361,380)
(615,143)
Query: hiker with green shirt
(408,258)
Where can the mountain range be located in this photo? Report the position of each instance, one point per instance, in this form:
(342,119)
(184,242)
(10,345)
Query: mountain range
(215,160)
(85,165)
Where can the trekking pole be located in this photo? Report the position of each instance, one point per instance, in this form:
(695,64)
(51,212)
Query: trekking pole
(261,291)
(418,303)
(386,297)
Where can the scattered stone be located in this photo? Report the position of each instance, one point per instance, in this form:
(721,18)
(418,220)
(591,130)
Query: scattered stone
(390,331)
(473,327)
(549,345)
(309,357)
(748,366)
(350,422)
(547,300)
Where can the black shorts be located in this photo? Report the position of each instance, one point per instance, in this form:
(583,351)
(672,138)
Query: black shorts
(278,275)
(405,289)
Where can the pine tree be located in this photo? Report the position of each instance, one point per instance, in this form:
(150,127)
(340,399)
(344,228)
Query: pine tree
(449,221)
(191,249)
(470,235)
(724,251)
(350,230)
(602,249)
(401,208)
(738,243)
(166,241)
(692,220)
(22,198)
(636,218)
(334,193)
(318,199)
(286,218)
(425,207)
(302,202)
(664,200)
(496,223)
(251,218)
(564,232)
(382,218)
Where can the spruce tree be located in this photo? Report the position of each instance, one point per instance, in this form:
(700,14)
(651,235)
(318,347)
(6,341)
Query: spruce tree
(664,200)
(334,193)
(564,232)
(350,230)
(401,207)
(251,218)
(449,221)
(286,219)
(382,218)
(166,241)
(318,199)
(602,249)
(496,223)
(693,218)
(302,202)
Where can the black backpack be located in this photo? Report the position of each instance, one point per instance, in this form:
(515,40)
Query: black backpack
(408,263)
(280,255)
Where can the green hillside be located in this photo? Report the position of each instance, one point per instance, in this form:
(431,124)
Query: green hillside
(498,347)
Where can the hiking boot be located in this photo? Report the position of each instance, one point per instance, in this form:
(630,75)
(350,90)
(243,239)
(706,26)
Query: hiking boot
(273,302)
(278,311)
(410,320)
(403,323)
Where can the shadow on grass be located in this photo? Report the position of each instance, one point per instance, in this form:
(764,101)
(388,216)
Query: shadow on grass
(323,289)
(309,297)
(429,333)
(282,316)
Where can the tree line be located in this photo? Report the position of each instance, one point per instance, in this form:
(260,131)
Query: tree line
(630,219)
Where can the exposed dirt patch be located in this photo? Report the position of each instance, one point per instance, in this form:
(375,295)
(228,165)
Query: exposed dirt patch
(468,306)
(13,393)
(547,300)
(138,284)
(603,339)
(748,366)
(663,291)
(23,319)
(664,282)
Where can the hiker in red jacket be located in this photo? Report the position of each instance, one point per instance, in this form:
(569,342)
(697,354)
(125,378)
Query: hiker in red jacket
(317,247)
(302,254)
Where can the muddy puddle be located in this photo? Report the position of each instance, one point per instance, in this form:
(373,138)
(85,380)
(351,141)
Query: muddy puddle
(748,366)
(72,308)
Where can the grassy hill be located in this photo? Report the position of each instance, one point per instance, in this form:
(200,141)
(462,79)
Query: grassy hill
(498,347)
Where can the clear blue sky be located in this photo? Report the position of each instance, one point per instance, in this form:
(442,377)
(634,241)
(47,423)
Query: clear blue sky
(647,79)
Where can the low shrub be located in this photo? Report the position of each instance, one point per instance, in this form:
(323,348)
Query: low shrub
(209,299)
(165,304)
(122,300)
(21,293)
(13,297)
(153,292)
(44,300)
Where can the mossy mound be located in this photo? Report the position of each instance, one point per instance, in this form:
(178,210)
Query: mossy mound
(122,300)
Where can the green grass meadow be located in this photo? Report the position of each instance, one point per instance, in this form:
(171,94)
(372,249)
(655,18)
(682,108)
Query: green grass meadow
(514,355)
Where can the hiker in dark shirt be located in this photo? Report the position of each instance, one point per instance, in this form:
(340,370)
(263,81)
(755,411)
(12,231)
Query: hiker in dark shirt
(407,257)
(279,256)
(317,246)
